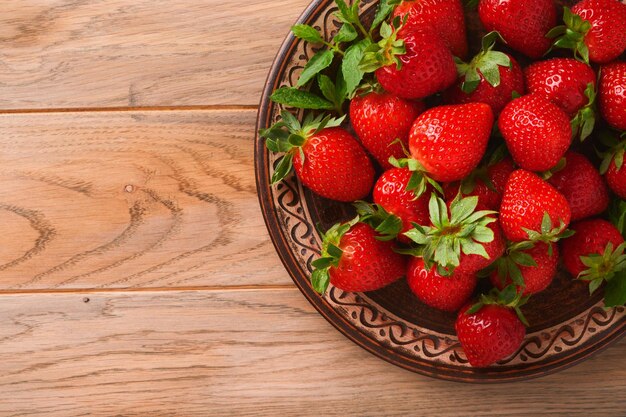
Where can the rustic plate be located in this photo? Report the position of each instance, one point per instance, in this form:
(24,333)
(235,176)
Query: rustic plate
(567,326)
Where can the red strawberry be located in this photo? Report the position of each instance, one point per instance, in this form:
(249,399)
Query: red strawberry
(326,158)
(448,293)
(531,203)
(413,64)
(446,17)
(449,141)
(522,23)
(536,131)
(594,29)
(613,167)
(532,269)
(353,259)
(381,118)
(613,94)
(489,334)
(592,237)
(582,186)
(562,81)
(479,83)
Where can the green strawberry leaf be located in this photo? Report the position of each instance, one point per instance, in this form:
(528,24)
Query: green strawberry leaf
(319,62)
(307,33)
(347,33)
(615,292)
(292,97)
(350,65)
(283,168)
(320,280)
(385,7)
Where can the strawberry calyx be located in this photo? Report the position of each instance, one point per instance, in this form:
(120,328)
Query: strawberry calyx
(572,34)
(463,231)
(468,184)
(289,136)
(387,225)
(387,51)
(616,150)
(585,120)
(330,255)
(560,166)
(487,61)
(509,297)
(508,266)
(419,181)
(604,267)
(549,234)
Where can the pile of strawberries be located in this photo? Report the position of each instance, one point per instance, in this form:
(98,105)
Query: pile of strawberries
(466,169)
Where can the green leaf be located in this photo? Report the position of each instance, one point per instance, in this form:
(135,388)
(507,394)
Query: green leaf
(474,308)
(594,285)
(322,263)
(347,33)
(283,168)
(483,234)
(523,259)
(292,97)
(327,87)
(320,280)
(470,247)
(350,65)
(334,251)
(615,292)
(307,33)
(461,209)
(491,72)
(319,62)
(384,10)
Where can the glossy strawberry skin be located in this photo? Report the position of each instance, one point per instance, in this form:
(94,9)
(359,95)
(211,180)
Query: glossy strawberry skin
(335,166)
(537,132)
(616,178)
(427,67)
(367,264)
(526,199)
(493,333)
(583,187)
(391,194)
(605,40)
(522,23)
(536,278)
(613,94)
(562,81)
(379,119)
(446,17)
(449,141)
(444,293)
(495,249)
(511,80)
(591,237)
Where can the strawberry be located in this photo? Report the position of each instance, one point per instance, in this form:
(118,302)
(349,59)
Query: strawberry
(582,186)
(491,77)
(411,64)
(537,132)
(594,30)
(491,329)
(531,267)
(449,141)
(327,159)
(613,167)
(522,23)
(354,259)
(446,17)
(379,119)
(530,204)
(397,207)
(596,254)
(613,94)
(448,293)
(569,84)
(495,249)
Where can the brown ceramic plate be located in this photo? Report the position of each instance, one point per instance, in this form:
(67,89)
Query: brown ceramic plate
(567,326)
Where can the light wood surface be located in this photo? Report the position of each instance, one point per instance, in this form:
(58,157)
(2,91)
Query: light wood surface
(136,274)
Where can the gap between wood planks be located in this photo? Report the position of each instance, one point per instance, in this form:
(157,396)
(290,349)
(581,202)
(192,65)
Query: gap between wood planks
(233,288)
(233,107)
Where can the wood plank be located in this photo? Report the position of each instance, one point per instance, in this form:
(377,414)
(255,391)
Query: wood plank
(104,53)
(131,199)
(246,353)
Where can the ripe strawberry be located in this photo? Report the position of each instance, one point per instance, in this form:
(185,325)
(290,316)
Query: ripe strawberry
(412,64)
(379,119)
(613,94)
(531,204)
(594,30)
(444,16)
(536,131)
(449,141)
(531,267)
(448,293)
(613,167)
(596,253)
(353,259)
(490,330)
(327,159)
(479,82)
(522,23)
(582,186)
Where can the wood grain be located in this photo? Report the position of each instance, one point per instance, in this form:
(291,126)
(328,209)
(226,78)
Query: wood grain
(247,353)
(131,199)
(104,53)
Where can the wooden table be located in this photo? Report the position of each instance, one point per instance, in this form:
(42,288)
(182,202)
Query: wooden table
(136,274)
